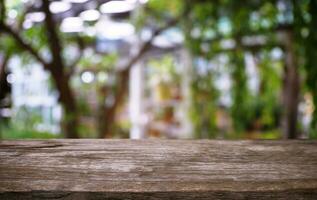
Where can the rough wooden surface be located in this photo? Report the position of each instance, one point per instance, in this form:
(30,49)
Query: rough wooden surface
(158,169)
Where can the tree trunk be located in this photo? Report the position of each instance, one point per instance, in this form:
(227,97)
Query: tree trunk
(107,123)
(291,90)
(107,120)
(67,99)
(60,77)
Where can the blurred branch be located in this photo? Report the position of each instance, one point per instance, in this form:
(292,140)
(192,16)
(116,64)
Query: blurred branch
(53,39)
(4,28)
(123,76)
(28,47)
(20,23)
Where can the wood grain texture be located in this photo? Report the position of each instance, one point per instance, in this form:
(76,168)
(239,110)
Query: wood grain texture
(158,169)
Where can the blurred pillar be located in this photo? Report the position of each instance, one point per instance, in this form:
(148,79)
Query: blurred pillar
(186,62)
(136,88)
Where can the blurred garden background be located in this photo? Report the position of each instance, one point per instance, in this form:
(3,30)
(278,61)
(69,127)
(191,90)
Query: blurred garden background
(216,69)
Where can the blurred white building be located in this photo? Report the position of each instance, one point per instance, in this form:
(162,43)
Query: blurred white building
(31,91)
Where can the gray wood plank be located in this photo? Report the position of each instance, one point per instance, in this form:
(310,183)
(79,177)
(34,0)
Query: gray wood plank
(158,169)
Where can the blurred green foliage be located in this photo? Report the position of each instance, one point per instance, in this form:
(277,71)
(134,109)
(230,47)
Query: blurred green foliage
(24,125)
(13,132)
(207,25)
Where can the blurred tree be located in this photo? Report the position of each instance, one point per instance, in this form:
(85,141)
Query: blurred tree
(61,72)
(56,66)
(212,28)
(122,76)
(229,26)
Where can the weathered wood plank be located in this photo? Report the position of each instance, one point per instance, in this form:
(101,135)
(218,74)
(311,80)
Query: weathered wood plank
(158,169)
